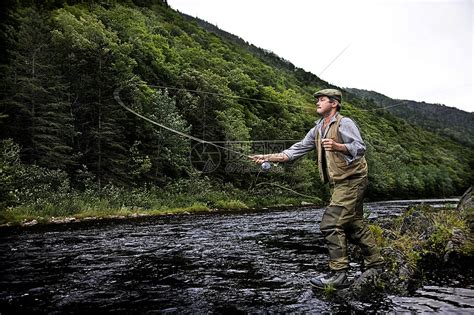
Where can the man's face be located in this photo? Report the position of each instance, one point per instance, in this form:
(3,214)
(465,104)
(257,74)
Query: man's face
(324,106)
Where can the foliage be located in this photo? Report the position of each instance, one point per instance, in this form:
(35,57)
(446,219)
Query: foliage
(66,59)
(9,164)
(434,117)
(35,94)
(421,232)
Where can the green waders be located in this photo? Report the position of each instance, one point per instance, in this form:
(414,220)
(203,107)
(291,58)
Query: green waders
(343,221)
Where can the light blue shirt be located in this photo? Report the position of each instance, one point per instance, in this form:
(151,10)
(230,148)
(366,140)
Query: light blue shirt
(350,136)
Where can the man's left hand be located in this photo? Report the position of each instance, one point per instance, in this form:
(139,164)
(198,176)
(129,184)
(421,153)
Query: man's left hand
(331,145)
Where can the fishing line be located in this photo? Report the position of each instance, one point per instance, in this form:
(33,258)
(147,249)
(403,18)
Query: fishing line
(266,101)
(265,166)
(229,96)
(334,59)
(119,100)
(286,188)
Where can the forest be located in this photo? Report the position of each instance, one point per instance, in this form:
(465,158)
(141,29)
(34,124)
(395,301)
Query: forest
(67,146)
(448,121)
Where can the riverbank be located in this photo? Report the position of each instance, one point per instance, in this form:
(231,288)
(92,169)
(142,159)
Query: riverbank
(119,204)
(116,203)
(120,215)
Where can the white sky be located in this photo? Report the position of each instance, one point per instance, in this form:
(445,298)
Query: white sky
(418,50)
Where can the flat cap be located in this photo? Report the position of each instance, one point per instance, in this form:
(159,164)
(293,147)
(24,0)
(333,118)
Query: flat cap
(336,94)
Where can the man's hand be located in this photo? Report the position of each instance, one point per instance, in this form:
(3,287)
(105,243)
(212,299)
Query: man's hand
(331,145)
(258,158)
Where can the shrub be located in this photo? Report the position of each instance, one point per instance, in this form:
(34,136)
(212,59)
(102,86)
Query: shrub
(9,163)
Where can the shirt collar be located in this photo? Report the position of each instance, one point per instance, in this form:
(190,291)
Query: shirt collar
(333,118)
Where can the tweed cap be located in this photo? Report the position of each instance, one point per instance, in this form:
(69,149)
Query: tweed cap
(336,94)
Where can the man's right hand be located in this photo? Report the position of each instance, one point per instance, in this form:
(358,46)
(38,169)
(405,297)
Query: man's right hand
(258,158)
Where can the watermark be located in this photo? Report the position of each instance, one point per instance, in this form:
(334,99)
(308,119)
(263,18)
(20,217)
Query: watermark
(232,156)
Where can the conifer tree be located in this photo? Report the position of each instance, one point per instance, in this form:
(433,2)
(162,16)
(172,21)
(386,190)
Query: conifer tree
(35,95)
(90,56)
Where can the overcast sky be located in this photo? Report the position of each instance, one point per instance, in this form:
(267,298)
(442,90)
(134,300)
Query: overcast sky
(418,50)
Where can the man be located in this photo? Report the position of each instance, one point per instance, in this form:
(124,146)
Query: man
(342,164)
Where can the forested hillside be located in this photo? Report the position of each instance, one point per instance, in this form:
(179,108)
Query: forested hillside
(441,119)
(64,131)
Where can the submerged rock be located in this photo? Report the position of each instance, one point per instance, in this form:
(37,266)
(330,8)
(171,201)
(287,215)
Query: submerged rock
(29,223)
(364,288)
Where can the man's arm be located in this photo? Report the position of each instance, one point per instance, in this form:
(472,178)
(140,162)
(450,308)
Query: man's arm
(331,145)
(295,151)
(274,157)
(352,140)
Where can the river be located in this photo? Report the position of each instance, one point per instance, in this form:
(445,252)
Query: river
(246,262)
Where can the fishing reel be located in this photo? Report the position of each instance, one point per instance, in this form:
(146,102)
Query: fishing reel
(266,166)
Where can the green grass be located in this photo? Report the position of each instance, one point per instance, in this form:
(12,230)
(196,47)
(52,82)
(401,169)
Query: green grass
(116,202)
(421,232)
(329,290)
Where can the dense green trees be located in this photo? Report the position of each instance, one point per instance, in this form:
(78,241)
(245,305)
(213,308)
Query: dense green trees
(65,62)
(443,120)
(36,95)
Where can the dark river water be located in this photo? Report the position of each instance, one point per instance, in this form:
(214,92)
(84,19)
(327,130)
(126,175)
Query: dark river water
(256,262)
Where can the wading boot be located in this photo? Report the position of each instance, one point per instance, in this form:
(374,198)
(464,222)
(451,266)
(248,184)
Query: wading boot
(336,279)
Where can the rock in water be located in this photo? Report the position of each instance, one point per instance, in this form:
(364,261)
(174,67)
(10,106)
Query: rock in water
(466,204)
(466,200)
(365,292)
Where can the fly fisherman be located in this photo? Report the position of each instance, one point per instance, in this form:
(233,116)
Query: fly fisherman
(342,164)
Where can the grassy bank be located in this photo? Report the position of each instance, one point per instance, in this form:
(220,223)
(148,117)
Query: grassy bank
(181,197)
(420,241)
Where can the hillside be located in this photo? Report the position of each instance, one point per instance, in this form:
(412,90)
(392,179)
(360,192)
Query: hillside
(443,120)
(57,106)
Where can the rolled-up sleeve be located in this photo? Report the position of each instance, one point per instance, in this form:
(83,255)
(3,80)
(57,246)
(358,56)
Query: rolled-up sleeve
(352,139)
(300,148)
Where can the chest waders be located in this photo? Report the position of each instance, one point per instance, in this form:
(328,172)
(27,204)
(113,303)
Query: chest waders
(343,219)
